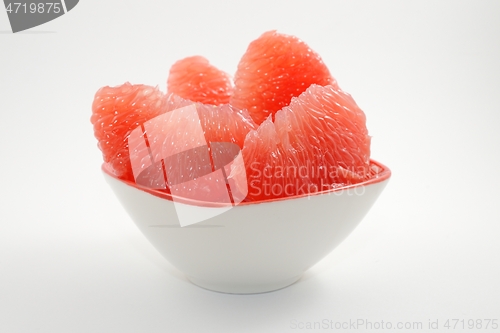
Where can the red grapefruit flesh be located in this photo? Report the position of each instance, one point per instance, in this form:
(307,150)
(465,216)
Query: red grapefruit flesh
(318,142)
(194,78)
(184,149)
(275,68)
(116,111)
(222,123)
(312,136)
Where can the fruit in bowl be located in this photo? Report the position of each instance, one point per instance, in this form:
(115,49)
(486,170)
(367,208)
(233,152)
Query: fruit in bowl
(242,187)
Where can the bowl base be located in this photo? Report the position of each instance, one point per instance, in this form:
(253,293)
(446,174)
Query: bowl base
(243,288)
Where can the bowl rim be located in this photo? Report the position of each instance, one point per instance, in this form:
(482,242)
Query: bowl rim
(383,173)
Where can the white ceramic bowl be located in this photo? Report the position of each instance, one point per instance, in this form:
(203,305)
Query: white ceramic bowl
(252,247)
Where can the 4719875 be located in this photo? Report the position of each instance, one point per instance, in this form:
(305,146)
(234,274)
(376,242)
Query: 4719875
(40,7)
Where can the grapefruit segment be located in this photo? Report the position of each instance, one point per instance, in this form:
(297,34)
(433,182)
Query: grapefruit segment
(185,149)
(275,68)
(318,142)
(223,123)
(194,78)
(116,111)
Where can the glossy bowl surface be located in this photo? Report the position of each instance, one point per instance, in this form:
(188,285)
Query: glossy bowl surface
(255,246)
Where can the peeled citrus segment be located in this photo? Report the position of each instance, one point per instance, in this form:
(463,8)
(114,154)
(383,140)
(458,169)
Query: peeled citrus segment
(184,151)
(194,78)
(318,142)
(175,156)
(116,111)
(275,68)
(222,123)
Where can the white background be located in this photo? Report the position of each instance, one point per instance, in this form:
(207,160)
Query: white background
(426,73)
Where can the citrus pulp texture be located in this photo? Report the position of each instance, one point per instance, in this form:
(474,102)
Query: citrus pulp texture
(275,68)
(194,78)
(116,111)
(318,142)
